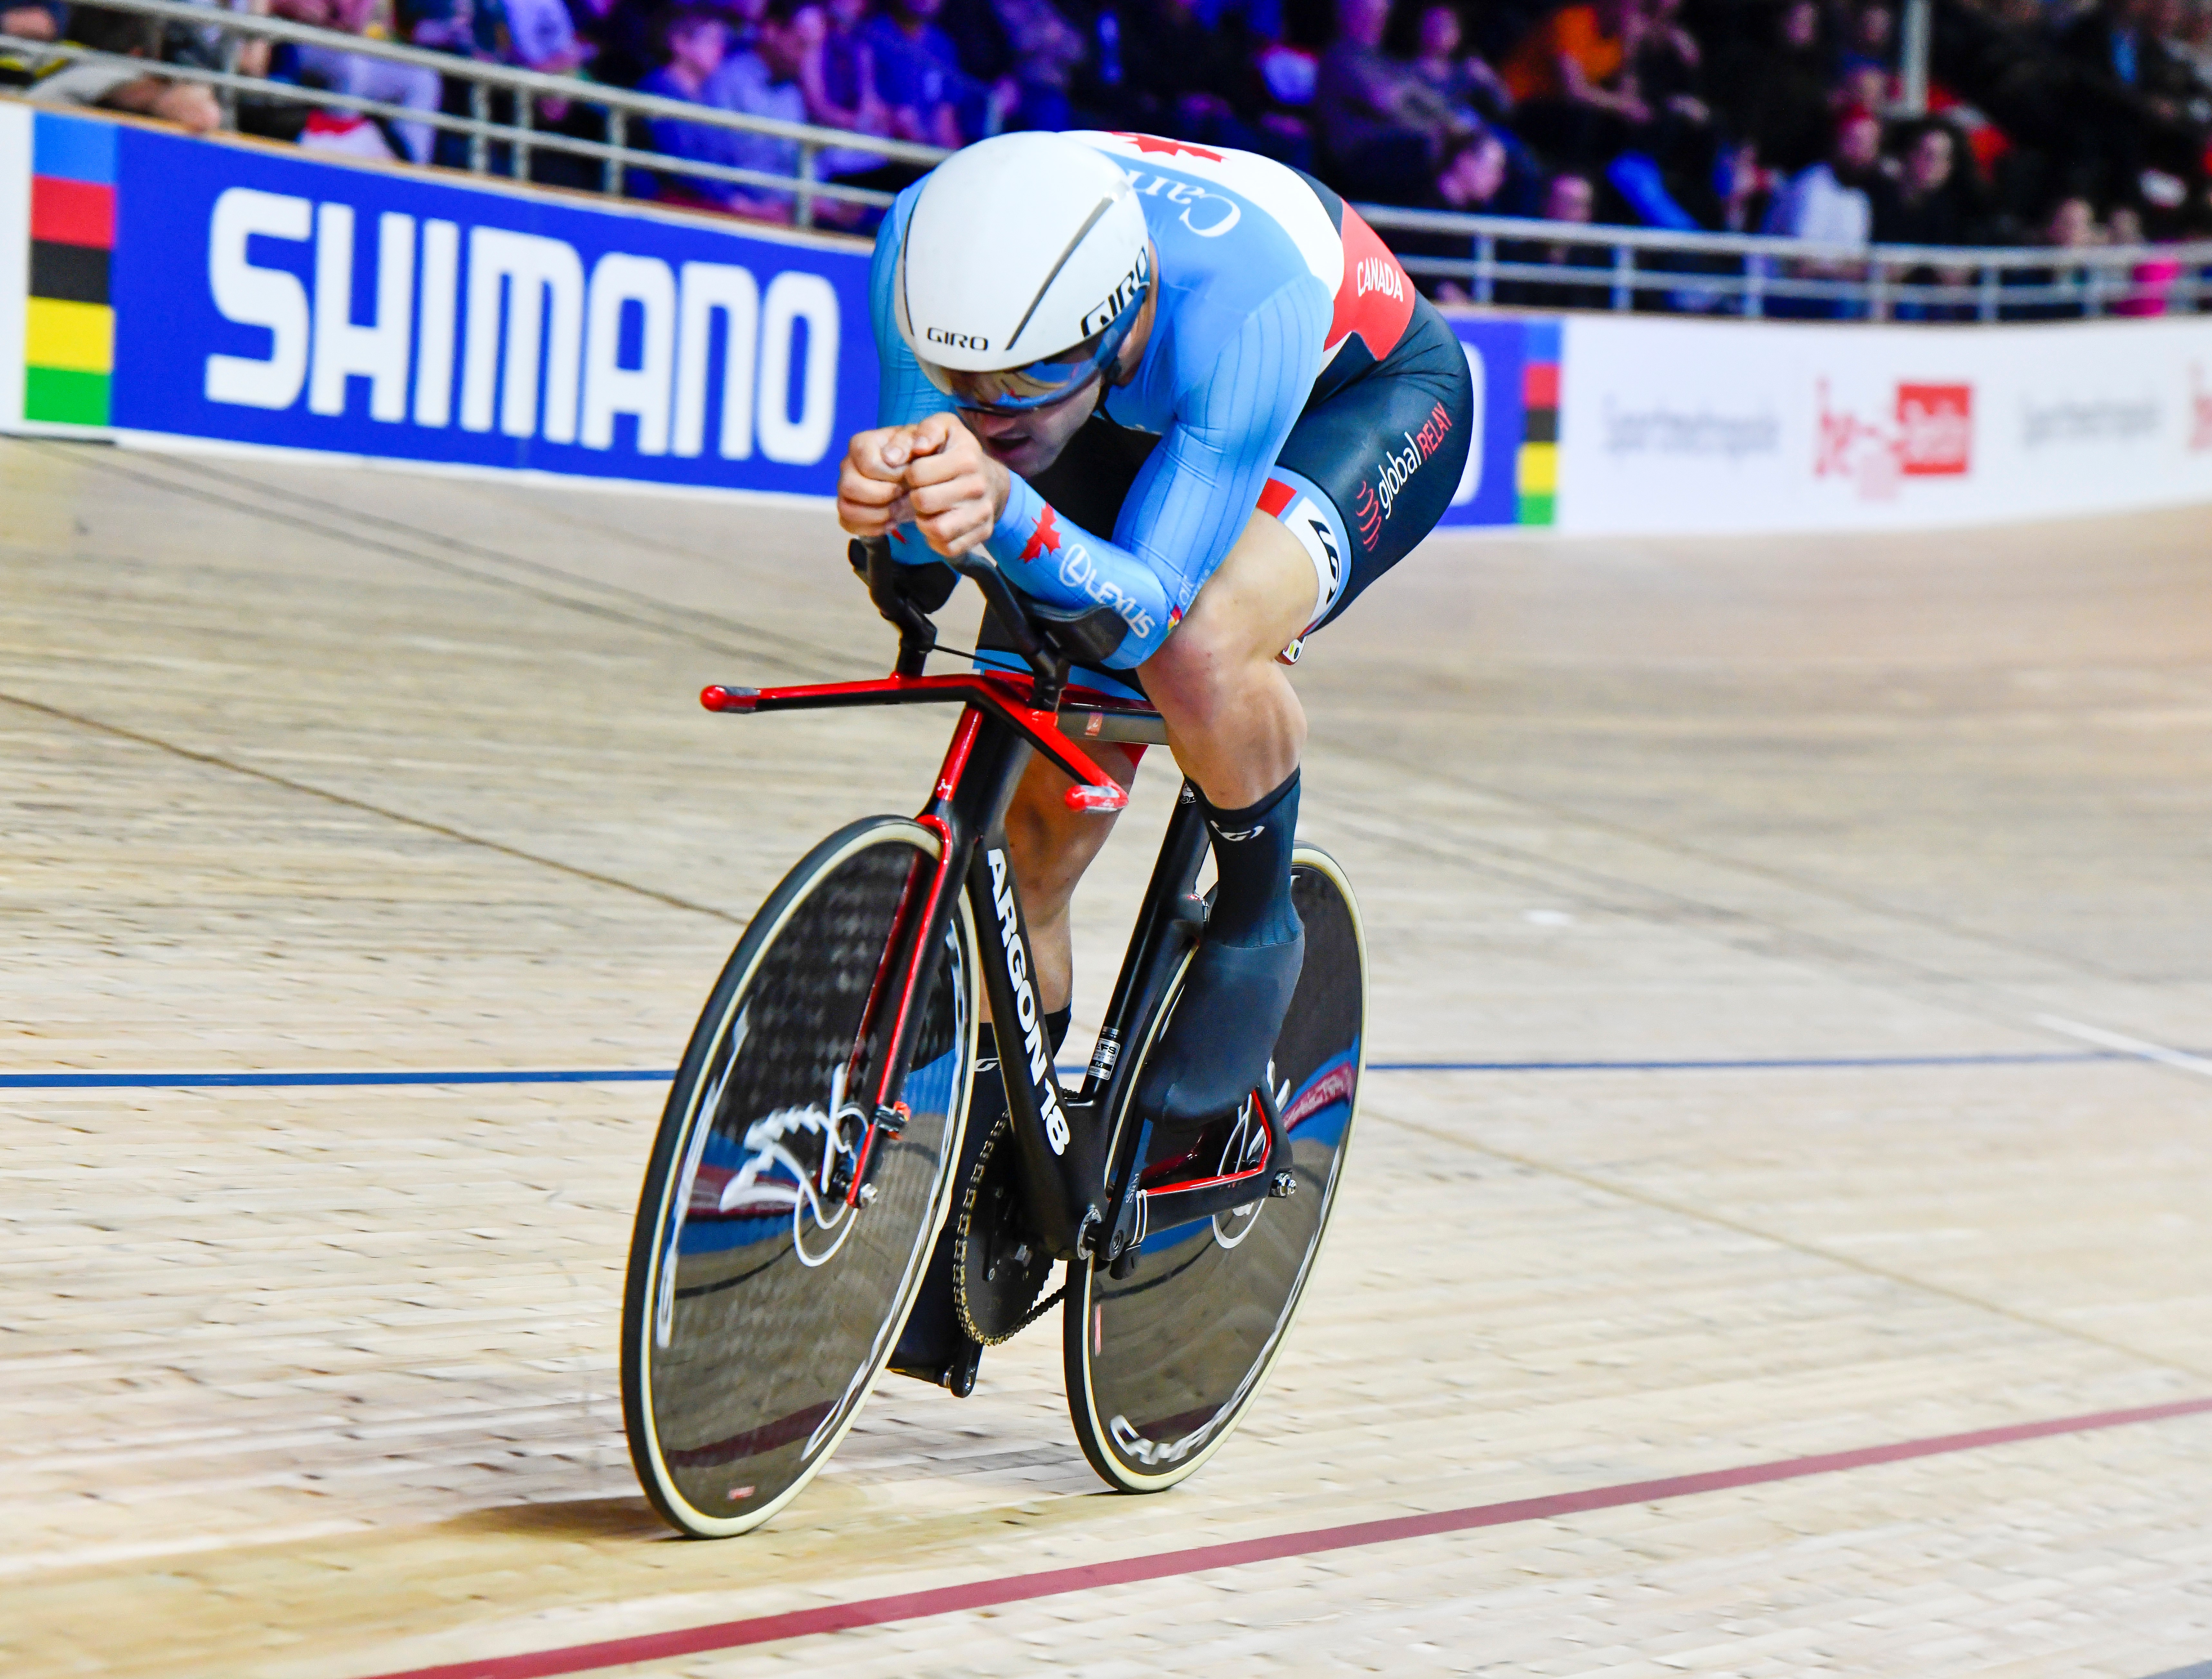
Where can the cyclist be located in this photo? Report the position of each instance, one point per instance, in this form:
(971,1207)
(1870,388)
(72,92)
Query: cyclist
(1191,385)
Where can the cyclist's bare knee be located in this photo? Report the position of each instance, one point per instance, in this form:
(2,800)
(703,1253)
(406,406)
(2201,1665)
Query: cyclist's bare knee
(1049,844)
(1236,726)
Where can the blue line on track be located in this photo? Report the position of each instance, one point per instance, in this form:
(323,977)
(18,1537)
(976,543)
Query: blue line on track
(1784,1064)
(662,1075)
(300,1080)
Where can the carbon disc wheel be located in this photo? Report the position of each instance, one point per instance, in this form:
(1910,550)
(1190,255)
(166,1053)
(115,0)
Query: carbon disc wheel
(1163,1362)
(760,1306)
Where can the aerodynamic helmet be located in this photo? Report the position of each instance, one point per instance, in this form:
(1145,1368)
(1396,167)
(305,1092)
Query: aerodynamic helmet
(1025,266)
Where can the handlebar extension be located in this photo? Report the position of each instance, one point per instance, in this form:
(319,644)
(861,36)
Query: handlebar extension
(1048,641)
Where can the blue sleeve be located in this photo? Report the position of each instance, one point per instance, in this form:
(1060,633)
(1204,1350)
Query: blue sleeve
(1195,495)
(902,394)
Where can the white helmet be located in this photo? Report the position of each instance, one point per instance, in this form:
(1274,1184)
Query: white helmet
(1025,266)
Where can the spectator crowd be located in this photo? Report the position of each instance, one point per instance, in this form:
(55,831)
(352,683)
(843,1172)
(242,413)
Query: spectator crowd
(2061,122)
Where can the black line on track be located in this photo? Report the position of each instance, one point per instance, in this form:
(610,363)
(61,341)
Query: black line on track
(1643,1198)
(424,824)
(640,610)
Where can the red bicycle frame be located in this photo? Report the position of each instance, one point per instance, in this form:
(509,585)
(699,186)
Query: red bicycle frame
(1081,1204)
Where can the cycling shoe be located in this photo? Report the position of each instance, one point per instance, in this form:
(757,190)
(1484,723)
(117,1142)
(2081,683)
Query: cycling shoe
(1216,1047)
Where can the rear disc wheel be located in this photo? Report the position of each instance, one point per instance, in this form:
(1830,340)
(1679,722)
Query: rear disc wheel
(1162,1362)
(760,1305)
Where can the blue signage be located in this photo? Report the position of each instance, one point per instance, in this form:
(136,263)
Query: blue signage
(264,297)
(1497,354)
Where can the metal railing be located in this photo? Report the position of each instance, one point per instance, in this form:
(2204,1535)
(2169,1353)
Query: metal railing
(519,134)
(1573,264)
(1508,260)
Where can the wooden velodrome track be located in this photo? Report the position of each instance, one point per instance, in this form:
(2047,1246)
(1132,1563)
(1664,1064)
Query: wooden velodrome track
(1786,957)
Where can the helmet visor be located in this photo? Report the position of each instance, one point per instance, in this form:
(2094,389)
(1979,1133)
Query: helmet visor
(1041,382)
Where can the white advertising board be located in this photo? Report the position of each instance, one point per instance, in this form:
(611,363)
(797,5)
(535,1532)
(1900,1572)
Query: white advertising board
(1671,426)
(14,254)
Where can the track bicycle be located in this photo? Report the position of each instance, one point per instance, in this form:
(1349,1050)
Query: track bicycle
(811,1148)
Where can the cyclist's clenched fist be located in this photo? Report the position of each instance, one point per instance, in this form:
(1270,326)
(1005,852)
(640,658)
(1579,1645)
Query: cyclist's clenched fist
(871,482)
(933,472)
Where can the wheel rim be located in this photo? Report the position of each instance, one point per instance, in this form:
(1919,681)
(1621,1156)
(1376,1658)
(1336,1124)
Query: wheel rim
(1170,1355)
(769,1307)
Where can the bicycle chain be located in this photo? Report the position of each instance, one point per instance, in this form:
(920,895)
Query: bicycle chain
(1003,1130)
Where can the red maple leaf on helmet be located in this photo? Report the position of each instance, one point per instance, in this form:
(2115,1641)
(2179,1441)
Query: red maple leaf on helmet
(1150,143)
(1045,538)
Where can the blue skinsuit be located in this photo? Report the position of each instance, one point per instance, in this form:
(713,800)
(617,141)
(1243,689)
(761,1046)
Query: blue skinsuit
(1237,342)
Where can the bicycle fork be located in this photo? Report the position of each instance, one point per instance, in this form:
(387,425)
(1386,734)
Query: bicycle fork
(1061,1153)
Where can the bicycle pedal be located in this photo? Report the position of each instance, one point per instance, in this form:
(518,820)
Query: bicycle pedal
(957,1376)
(960,1374)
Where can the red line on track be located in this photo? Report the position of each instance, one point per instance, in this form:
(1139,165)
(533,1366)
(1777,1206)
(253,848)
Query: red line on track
(1129,1571)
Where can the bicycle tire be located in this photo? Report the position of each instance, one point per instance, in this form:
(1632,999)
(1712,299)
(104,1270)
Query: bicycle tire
(758,1312)
(1185,1342)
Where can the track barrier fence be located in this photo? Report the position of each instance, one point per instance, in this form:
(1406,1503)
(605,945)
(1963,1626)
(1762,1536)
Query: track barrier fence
(165,291)
(1492,259)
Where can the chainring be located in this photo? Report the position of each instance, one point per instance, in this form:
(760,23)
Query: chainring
(997,1265)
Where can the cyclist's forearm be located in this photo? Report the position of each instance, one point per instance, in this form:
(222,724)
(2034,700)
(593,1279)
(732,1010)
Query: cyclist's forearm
(1047,555)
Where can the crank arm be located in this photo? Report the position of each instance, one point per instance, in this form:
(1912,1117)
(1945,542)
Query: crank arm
(1137,1210)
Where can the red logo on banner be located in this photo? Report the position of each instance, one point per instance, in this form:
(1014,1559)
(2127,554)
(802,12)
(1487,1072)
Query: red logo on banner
(1935,429)
(1931,437)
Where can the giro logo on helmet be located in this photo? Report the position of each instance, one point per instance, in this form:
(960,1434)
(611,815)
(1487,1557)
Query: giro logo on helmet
(938,335)
(1126,292)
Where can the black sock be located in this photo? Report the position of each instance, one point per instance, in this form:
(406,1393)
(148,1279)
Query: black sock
(1252,856)
(1056,1026)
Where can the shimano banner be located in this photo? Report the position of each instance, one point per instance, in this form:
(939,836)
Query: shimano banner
(166,290)
(264,297)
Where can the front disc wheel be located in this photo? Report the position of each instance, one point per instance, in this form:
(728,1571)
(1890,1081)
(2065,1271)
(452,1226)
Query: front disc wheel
(764,1296)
